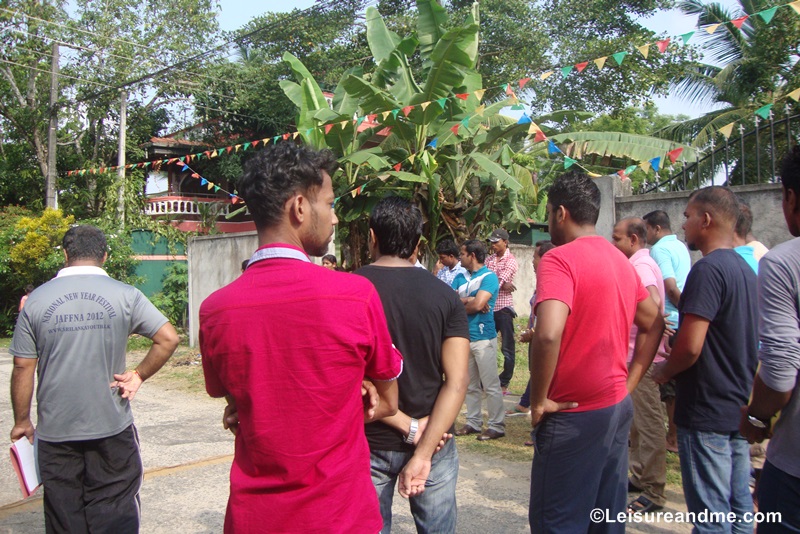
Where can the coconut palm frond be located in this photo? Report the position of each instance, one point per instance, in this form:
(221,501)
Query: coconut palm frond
(697,85)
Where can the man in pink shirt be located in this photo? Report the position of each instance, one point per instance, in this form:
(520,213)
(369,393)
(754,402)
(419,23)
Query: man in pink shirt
(647,456)
(288,343)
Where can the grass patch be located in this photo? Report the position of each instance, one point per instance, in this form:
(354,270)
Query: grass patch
(182,372)
(5,342)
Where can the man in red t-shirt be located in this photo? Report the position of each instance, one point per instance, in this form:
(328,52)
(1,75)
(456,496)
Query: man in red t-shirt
(288,343)
(589,295)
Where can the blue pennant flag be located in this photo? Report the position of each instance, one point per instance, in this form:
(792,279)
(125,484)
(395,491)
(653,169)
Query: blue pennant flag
(656,163)
(433,142)
(203,181)
(552,148)
(524,119)
(185,168)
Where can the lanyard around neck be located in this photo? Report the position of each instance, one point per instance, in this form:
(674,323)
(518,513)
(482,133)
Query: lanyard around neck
(277,252)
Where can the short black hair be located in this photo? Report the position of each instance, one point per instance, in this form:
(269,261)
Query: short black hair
(474,246)
(447,247)
(29,288)
(397,224)
(544,246)
(790,170)
(245,263)
(276,173)
(330,258)
(744,223)
(578,194)
(658,218)
(636,227)
(85,242)
(720,201)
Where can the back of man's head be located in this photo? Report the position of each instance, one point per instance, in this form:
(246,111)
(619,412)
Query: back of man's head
(544,246)
(85,243)
(720,202)
(397,224)
(474,246)
(636,227)
(790,172)
(658,218)
(578,194)
(447,247)
(278,172)
(744,223)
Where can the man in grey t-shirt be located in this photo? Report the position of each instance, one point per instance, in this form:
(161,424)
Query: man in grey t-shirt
(776,387)
(75,329)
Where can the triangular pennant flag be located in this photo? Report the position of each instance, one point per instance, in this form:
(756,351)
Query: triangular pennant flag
(195,175)
(518,107)
(794,95)
(763,111)
(656,163)
(566,70)
(411,158)
(295,134)
(220,151)
(208,154)
(442,102)
(540,136)
(372,117)
(569,162)
(581,66)
(645,166)
(395,113)
(738,22)
(524,119)
(619,57)
(686,36)
(533,128)
(674,154)
(508,89)
(523,81)
(246,146)
(629,169)
(593,174)
(424,105)
(462,96)
(711,29)
(265,140)
(621,174)
(433,142)
(600,62)
(479,94)
(255,143)
(407,110)
(286,136)
(328,128)
(228,149)
(455,128)
(360,120)
(398,166)
(216,188)
(278,137)
(238,147)
(662,45)
(552,148)
(354,192)
(767,14)
(385,114)
(479,110)
(546,75)
(147,164)
(234,199)
(203,181)
(644,50)
(185,167)
(465,122)
(344,124)
(796,6)
(210,186)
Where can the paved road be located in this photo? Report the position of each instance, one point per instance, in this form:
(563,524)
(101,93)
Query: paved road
(187,458)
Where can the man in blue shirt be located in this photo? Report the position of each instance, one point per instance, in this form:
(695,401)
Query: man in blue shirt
(448,253)
(743,226)
(478,295)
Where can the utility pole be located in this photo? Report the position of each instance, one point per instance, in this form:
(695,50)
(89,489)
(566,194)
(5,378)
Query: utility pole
(123,112)
(51,198)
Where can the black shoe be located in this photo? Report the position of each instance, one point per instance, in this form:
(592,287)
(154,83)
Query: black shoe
(466,430)
(643,505)
(491,434)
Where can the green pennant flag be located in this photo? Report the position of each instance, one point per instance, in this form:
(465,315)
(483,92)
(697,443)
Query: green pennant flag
(276,139)
(619,57)
(569,162)
(216,188)
(767,14)
(630,169)
(517,107)
(360,120)
(182,159)
(395,112)
(566,70)
(763,111)
(245,146)
(465,122)
(686,36)
(146,164)
(442,102)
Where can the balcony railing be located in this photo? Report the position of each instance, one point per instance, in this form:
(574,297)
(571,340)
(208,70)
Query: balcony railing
(186,207)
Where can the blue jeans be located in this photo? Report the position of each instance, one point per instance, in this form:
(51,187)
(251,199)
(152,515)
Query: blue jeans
(715,468)
(525,399)
(434,510)
(779,491)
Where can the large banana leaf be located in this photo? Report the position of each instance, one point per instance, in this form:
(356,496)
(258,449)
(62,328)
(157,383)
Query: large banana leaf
(454,54)
(391,56)
(371,98)
(498,172)
(431,22)
(343,103)
(618,145)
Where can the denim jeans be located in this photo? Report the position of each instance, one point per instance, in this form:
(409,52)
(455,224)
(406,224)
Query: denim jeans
(504,321)
(779,491)
(715,468)
(434,510)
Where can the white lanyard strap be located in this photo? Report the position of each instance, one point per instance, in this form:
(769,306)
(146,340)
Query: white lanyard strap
(277,252)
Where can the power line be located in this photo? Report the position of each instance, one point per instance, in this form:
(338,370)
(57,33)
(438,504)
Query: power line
(48,72)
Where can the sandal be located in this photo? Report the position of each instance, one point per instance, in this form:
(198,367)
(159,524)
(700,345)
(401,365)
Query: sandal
(518,411)
(642,505)
(528,444)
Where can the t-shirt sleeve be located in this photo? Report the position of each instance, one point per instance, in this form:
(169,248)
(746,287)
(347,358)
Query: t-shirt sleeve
(23,342)
(647,275)
(555,281)
(641,293)
(664,262)
(702,295)
(459,281)
(778,326)
(146,320)
(457,324)
(490,283)
(384,361)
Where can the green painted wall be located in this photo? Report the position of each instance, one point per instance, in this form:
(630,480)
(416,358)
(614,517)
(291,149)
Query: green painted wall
(145,243)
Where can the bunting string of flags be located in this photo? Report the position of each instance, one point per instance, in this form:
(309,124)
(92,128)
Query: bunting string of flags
(661,45)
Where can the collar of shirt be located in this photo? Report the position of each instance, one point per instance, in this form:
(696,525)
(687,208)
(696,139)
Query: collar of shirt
(81,269)
(278,250)
(639,253)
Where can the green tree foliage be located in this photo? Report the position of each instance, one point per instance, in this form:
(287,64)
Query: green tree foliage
(173,301)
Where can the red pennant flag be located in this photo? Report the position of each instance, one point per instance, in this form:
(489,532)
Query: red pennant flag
(662,45)
(738,22)
(228,149)
(674,154)
(397,167)
(254,143)
(540,136)
(523,81)
(454,128)
(195,175)
(234,199)
(207,153)
(621,173)
(581,66)
(328,127)
(407,110)
(288,135)
(462,96)
(372,117)
(509,92)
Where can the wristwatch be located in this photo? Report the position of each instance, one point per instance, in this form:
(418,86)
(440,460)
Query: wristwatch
(758,423)
(412,433)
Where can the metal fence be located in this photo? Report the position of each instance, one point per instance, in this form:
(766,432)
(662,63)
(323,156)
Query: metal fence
(751,158)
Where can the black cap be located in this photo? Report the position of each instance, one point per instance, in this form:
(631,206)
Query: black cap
(497,235)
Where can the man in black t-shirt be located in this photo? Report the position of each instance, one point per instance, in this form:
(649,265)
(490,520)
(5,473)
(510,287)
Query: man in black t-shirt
(713,361)
(428,325)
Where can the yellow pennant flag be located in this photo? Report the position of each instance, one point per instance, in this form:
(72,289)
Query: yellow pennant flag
(645,166)
(549,73)
(424,105)
(295,134)
(411,158)
(796,6)
(479,110)
(645,49)
(794,95)
(600,62)
(727,130)
(238,147)
(344,124)
(354,192)
(534,128)
(265,141)
(385,114)
(594,174)
(711,29)
(210,186)
(479,94)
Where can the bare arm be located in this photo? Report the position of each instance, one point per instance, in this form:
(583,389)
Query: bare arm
(165,341)
(650,323)
(672,291)
(21,397)
(477,303)
(686,350)
(387,399)
(766,402)
(455,357)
